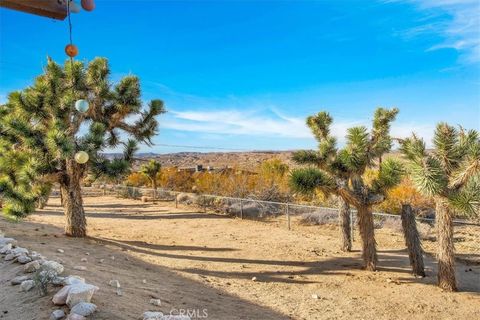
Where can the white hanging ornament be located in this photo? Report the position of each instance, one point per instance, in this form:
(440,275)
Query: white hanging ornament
(81,157)
(81,105)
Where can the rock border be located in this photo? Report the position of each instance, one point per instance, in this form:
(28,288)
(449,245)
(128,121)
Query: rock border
(38,271)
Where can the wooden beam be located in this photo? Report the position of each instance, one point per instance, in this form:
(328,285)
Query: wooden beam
(46,8)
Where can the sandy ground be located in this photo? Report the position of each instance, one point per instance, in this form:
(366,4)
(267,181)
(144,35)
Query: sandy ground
(204,264)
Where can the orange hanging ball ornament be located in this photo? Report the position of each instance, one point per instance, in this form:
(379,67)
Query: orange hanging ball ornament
(71,50)
(88,5)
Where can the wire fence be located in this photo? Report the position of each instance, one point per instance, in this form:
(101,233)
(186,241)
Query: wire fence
(245,208)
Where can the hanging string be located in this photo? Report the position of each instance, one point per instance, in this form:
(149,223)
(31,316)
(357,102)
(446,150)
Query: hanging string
(71,42)
(69,29)
(69,21)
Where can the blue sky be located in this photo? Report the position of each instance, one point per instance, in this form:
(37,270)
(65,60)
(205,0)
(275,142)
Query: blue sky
(245,74)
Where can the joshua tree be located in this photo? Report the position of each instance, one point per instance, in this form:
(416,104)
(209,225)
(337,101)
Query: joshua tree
(412,240)
(53,132)
(451,174)
(151,170)
(341,172)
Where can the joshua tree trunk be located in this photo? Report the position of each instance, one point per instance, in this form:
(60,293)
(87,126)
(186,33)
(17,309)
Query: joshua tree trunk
(345,223)
(76,224)
(412,240)
(41,203)
(154,185)
(61,195)
(446,250)
(367,233)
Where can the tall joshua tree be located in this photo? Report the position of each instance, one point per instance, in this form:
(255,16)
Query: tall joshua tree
(451,174)
(151,170)
(51,136)
(341,171)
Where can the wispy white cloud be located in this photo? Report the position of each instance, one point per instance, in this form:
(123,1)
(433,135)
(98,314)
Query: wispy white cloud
(219,118)
(236,122)
(456,21)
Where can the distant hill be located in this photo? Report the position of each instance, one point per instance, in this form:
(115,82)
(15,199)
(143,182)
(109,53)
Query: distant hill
(243,159)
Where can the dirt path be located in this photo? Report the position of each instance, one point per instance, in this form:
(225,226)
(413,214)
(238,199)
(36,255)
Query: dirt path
(205,263)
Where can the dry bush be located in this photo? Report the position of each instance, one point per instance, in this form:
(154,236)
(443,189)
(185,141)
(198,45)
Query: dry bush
(173,179)
(188,198)
(405,192)
(319,217)
(137,179)
(426,231)
(392,223)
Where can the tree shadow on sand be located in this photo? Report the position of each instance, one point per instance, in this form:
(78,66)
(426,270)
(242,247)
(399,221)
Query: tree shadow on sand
(142,215)
(394,261)
(176,292)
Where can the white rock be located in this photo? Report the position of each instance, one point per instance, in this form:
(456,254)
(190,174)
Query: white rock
(254,278)
(60,251)
(114,283)
(36,256)
(31,267)
(84,309)
(87,253)
(73,280)
(83,260)
(53,265)
(102,260)
(27,285)
(112,257)
(156,302)
(18,280)
(6,249)
(80,268)
(149,315)
(23,259)
(57,315)
(314,296)
(5,241)
(144,281)
(19,251)
(80,292)
(9,257)
(58,281)
(60,298)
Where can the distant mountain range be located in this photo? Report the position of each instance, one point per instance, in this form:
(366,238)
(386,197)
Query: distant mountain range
(241,159)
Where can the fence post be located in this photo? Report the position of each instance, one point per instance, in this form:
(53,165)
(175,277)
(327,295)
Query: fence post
(288,216)
(176,200)
(241,208)
(205,204)
(352,226)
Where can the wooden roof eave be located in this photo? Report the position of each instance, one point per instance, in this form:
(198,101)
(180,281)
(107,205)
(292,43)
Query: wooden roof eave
(46,8)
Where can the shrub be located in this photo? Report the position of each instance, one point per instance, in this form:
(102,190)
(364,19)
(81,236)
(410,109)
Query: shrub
(319,217)
(405,192)
(129,193)
(393,223)
(43,277)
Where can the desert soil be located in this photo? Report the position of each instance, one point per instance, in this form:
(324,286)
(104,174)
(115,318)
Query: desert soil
(205,264)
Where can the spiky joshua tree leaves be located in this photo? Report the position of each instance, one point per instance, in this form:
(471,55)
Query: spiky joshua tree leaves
(451,174)
(151,170)
(41,131)
(341,171)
